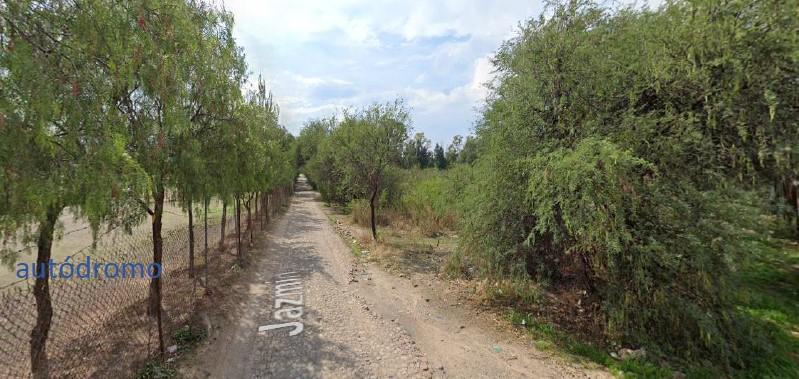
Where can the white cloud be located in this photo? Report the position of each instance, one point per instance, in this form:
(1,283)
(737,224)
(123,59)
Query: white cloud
(301,19)
(312,81)
(465,98)
(483,74)
(320,56)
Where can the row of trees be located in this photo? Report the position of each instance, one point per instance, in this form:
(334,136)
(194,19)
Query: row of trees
(108,107)
(616,149)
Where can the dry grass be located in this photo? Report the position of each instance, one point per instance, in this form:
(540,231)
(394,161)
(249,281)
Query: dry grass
(401,247)
(76,236)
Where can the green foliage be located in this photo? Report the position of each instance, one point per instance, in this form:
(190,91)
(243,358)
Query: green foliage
(547,335)
(106,106)
(608,213)
(188,336)
(59,146)
(326,176)
(416,152)
(769,295)
(468,154)
(454,150)
(429,199)
(155,369)
(585,196)
(438,157)
(613,156)
(355,161)
(311,137)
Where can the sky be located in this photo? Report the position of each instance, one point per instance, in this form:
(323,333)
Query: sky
(322,56)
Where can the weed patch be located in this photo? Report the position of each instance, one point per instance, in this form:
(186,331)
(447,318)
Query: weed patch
(155,369)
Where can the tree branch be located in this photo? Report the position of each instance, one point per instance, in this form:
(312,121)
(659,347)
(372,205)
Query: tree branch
(145,206)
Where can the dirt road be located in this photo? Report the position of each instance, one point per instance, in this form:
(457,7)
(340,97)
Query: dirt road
(345,319)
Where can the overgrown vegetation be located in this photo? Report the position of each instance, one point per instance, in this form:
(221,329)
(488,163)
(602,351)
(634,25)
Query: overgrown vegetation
(428,199)
(622,173)
(625,161)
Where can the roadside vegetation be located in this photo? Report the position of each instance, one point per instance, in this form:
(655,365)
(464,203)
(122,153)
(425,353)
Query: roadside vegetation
(631,185)
(111,109)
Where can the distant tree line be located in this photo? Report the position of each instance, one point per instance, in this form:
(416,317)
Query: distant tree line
(416,152)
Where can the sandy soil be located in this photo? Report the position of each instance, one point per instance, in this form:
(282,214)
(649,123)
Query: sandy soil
(357,320)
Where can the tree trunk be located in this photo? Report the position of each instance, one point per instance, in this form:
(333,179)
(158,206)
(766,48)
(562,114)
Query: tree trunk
(40,367)
(205,248)
(191,241)
(263,211)
(222,227)
(372,211)
(238,228)
(796,206)
(246,204)
(249,218)
(158,250)
(266,213)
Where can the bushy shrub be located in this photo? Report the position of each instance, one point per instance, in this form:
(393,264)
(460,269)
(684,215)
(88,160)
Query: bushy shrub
(613,143)
(327,177)
(638,241)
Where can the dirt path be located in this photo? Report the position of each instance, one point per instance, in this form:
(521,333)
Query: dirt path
(357,321)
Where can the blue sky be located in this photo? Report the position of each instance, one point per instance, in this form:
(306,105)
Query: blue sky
(320,57)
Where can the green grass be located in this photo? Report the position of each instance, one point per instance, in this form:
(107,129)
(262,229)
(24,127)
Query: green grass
(355,247)
(769,279)
(546,336)
(155,369)
(187,336)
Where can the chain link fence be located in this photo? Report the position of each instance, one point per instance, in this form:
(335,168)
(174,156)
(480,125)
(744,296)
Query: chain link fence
(100,327)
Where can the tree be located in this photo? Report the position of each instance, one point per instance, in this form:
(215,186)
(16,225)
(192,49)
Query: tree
(157,92)
(439,158)
(324,173)
(262,154)
(454,149)
(214,93)
(469,153)
(419,147)
(60,147)
(103,124)
(311,137)
(368,141)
